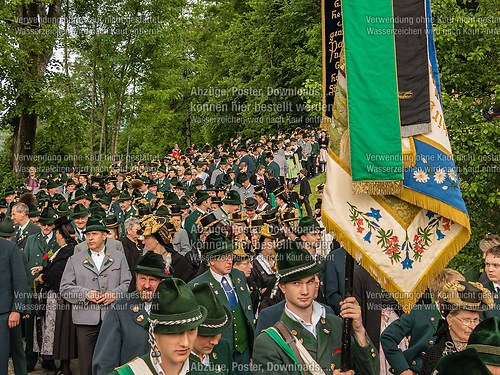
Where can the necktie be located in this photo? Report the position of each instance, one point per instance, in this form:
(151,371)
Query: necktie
(229,293)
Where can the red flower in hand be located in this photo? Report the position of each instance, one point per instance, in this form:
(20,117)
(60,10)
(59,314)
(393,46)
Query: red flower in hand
(46,257)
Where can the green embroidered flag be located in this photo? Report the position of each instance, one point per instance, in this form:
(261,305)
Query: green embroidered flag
(372,101)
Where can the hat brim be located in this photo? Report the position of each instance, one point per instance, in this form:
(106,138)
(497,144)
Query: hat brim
(96,228)
(151,271)
(5,234)
(216,325)
(316,268)
(229,201)
(176,328)
(220,251)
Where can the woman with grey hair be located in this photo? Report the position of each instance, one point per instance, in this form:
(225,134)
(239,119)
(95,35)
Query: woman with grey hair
(132,247)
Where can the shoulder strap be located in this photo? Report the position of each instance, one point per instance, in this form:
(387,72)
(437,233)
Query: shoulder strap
(273,333)
(135,367)
(289,339)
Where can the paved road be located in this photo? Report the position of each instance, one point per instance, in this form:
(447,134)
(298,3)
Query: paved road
(40,371)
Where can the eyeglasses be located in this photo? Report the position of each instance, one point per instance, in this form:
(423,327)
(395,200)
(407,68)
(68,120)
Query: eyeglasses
(467,322)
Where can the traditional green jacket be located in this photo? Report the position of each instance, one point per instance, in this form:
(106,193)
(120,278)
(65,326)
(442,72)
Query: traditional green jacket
(122,336)
(190,224)
(194,368)
(325,349)
(34,251)
(421,324)
(240,286)
(221,358)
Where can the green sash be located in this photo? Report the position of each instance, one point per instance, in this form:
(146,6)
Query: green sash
(283,345)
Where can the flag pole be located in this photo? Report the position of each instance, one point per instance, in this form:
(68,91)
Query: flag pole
(345,360)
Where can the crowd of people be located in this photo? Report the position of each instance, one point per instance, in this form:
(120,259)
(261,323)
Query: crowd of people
(210,261)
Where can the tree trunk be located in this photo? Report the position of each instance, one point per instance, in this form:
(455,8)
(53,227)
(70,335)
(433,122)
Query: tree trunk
(23,140)
(103,137)
(92,110)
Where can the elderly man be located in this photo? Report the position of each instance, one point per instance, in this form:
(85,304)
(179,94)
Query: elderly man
(122,336)
(93,280)
(80,216)
(229,284)
(24,226)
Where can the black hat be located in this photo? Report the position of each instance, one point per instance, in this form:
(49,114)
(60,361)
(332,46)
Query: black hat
(238,217)
(270,216)
(175,210)
(111,222)
(290,214)
(250,204)
(201,196)
(464,295)
(207,220)
(60,221)
(151,264)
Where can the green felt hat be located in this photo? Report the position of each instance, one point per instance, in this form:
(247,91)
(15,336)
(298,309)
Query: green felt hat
(33,211)
(201,196)
(485,339)
(217,245)
(48,216)
(80,194)
(151,264)
(125,196)
(197,182)
(183,204)
(232,197)
(162,168)
(226,179)
(58,198)
(63,209)
(114,192)
(219,317)
(242,177)
(9,190)
(466,362)
(79,211)
(7,228)
(171,198)
(307,224)
(174,309)
(3,203)
(105,199)
(162,211)
(96,224)
(295,262)
(52,184)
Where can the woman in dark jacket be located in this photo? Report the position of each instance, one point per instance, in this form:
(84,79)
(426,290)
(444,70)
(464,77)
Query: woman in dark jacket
(64,339)
(158,233)
(463,301)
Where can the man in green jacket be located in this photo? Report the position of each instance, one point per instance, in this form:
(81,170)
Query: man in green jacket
(210,350)
(305,323)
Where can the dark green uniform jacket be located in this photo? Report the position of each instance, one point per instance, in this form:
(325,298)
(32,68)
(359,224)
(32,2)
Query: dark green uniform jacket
(122,336)
(421,324)
(270,358)
(221,359)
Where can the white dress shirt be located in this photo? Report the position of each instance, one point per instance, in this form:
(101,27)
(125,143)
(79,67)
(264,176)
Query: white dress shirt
(318,313)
